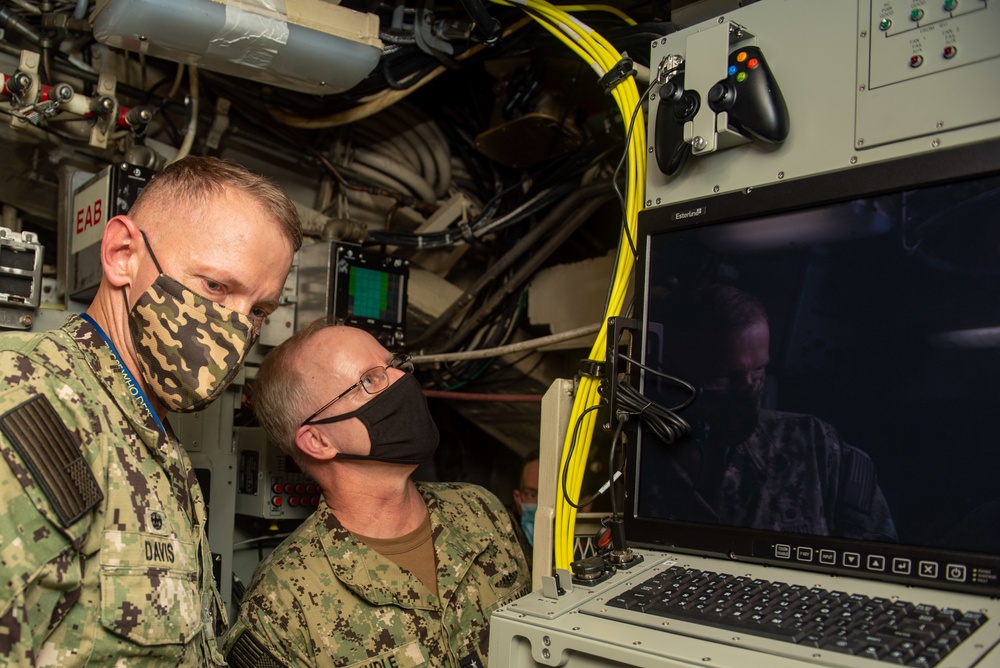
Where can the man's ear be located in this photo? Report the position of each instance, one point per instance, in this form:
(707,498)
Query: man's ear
(119,251)
(313,442)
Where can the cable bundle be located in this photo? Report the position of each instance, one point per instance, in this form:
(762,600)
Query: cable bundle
(603,59)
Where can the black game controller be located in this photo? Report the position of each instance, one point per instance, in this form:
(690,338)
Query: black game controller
(751,97)
(677,107)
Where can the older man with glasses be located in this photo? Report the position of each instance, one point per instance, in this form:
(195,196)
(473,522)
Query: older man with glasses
(388,571)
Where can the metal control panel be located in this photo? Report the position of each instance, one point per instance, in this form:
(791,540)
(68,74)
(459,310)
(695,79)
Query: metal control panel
(20,278)
(269,483)
(926,67)
(864,81)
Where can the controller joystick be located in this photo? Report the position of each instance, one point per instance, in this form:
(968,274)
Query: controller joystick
(677,107)
(751,98)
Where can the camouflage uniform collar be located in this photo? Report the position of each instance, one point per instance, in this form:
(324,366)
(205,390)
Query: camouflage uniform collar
(103,358)
(365,572)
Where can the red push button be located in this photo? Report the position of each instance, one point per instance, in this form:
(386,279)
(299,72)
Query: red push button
(276,488)
(276,501)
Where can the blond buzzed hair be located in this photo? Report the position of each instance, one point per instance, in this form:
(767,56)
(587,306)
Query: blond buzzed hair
(279,392)
(198,179)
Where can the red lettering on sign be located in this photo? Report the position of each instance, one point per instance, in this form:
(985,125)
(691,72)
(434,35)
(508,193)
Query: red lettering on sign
(88,217)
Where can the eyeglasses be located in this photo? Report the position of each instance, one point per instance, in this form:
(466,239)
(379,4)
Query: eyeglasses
(372,381)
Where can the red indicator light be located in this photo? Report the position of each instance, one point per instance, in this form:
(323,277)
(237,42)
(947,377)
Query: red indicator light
(293,501)
(276,501)
(276,488)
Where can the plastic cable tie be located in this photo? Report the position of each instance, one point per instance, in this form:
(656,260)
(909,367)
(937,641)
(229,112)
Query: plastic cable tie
(466,231)
(618,73)
(591,368)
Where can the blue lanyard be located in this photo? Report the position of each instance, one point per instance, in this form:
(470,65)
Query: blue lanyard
(134,388)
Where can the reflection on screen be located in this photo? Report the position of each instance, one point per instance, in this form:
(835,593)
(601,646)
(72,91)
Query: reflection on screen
(867,405)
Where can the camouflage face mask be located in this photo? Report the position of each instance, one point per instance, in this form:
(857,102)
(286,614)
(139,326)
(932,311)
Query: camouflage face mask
(188,347)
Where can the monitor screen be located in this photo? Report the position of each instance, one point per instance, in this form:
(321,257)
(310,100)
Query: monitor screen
(841,337)
(375,294)
(369,292)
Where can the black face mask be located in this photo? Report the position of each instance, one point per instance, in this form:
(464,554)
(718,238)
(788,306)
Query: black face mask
(726,417)
(398,422)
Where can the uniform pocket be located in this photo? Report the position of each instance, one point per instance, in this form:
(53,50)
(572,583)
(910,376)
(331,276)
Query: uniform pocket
(150,589)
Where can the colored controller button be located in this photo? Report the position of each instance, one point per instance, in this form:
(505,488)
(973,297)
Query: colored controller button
(916,60)
(732,70)
(950,52)
(741,77)
(916,14)
(752,64)
(741,56)
(885,24)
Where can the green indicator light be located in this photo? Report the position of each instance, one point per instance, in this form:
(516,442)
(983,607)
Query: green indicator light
(884,24)
(950,5)
(916,14)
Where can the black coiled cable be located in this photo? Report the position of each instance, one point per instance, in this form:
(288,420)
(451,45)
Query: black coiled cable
(662,421)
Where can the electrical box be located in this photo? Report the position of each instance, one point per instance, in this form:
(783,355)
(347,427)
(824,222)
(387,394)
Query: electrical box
(20,278)
(269,483)
(863,82)
(111,192)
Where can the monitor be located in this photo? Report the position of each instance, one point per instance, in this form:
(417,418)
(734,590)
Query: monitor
(861,417)
(369,292)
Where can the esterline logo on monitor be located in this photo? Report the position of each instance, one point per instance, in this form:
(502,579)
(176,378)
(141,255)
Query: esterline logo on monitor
(681,215)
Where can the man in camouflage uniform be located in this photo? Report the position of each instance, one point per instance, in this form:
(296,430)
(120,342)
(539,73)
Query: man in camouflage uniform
(387,571)
(741,465)
(103,555)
